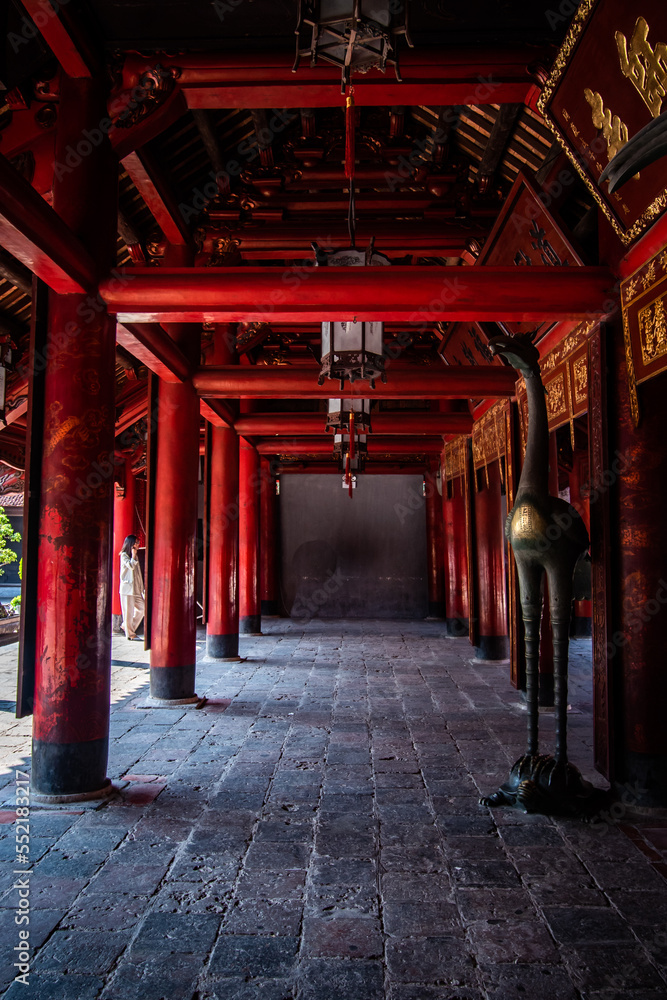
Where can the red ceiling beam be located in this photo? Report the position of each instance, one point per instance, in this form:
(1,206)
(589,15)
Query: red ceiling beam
(217,412)
(147,177)
(430,77)
(415,295)
(324,446)
(153,347)
(433,239)
(286,424)
(373,468)
(251,382)
(37,236)
(58,38)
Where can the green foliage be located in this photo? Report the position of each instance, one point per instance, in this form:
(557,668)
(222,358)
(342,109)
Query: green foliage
(16,602)
(7,535)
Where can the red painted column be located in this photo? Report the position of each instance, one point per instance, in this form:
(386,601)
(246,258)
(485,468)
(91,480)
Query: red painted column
(583,610)
(456,567)
(269,539)
(490,569)
(222,627)
(73,638)
(174,562)
(636,646)
(435,549)
(249,566)
(124,518)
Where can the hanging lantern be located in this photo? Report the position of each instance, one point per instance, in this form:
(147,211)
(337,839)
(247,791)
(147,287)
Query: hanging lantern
(356,35)
(352,350)
(338,416)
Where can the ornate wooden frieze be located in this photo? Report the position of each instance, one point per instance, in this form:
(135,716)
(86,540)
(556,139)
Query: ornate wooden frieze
(526,235)
(608,81)
(489,437)
(565,377)
(644,304)
(455,453)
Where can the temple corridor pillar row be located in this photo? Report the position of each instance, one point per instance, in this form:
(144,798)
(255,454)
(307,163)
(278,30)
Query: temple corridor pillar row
(268,540)
(124,518)
(222,621)
(174,558)
(493,640)
(435,549)
(73,634)
(249,539)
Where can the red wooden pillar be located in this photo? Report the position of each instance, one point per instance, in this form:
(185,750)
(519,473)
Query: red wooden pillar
(456,567)
(269,539)
(583,610)
(490,569)
(222,626)
(123,525)
(249,566)
(73,635)
(636,640)
(435,549)
(174,559)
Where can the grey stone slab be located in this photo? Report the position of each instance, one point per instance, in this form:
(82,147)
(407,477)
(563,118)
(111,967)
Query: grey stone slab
(430,959)
(75,953)
(586,924)
(403,919)
(612,966)
(239,989)
(340,979)
(57,987)
(519,982)
(264,917)
(175,934)
(253,956)
(155,979)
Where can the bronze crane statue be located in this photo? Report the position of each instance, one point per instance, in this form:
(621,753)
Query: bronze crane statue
(548,536)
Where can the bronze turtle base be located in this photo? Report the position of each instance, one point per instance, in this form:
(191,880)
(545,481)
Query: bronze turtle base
(540,783)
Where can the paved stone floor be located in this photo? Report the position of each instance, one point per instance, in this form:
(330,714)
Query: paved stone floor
(314,832)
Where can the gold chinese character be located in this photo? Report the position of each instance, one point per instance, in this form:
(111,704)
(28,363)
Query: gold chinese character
(646,68)
(613,129)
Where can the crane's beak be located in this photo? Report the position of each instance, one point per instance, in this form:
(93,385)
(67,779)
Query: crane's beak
(647,146)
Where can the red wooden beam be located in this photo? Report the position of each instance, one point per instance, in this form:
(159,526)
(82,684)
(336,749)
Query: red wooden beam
(57,37)
(153,346)
(217,412)
(417,295)
(250,382)
(295,424)
(430,77)
(373,468)
(323,445)
(153,188)
(37,236)
(434,239)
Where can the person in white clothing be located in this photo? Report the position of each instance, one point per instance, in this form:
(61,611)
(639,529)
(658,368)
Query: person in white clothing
(131,587)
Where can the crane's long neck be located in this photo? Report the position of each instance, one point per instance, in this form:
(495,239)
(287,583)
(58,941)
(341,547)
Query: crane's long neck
(535,472)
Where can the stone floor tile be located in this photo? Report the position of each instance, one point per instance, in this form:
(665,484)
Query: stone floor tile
(504,940)
(89,953)
(253,956)
(617,966)
(520,982)
(403,919)
(430,959)
(586,924)
(264,917)
(340,979)
(154,979)
(241,989)
(340,937)
(57,987)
